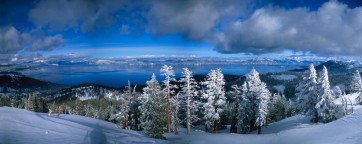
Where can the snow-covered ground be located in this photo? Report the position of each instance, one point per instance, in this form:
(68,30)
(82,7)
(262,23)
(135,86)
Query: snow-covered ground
(293,130)
(280,88)
(284,77)
(22,126)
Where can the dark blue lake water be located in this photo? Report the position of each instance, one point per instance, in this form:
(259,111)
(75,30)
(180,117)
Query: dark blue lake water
(118,75)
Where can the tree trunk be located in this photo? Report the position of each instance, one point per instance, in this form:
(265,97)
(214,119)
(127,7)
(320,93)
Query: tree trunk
(316,118)
(252,125)
(214,127)
(188,116)
(259,129)
(233,127)
(176,126)
(168,114)
(206,128)
(125,122)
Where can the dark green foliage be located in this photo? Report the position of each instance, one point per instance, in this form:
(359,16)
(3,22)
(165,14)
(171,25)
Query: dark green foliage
(5,100)
(37,104)
(159,117)
(279,111)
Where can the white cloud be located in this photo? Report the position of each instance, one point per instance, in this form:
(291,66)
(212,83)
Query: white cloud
(334,29)
(47,43)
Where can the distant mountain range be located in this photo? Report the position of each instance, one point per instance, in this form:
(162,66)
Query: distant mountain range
(27,62)
(14,82)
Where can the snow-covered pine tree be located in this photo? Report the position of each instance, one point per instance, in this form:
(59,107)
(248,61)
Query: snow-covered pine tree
(339,94)
(153,108)
(307,95)
(356,82)
(327,110)
(214,93)
(125,107)
(175,107)
(168,73)
(145,104)
(135,113)
(189,93)
(119,113)
(356,85)
(235,96)
(254,102)
(274,99)
(245,112)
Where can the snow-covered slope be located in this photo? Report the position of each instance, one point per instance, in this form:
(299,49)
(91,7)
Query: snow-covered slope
(292,130)
(22,126)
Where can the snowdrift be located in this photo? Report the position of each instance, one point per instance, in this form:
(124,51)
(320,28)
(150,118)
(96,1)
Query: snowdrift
(22,126)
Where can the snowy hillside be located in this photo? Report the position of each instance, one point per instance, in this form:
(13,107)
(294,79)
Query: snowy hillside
(22,126)
(292,130)
(85,92)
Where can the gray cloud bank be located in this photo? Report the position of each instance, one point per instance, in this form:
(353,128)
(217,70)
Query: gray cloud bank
(334,29)
(12,41)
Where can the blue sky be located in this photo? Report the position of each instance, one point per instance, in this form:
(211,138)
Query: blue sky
(229,28)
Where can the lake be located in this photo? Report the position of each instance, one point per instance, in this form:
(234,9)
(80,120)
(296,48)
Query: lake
(117,75)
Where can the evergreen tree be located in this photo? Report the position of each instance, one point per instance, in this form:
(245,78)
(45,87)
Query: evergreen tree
(245,112)
(235,96)
(121,112)
(356,82)
(254,102)
(326,108)
(135,112)
(5,100)
(356,86)
(125,107)
(153,107)
(175,107)
(307,94)
(36,104)
(168,73)
(279,107)
(214,93)
(189,93)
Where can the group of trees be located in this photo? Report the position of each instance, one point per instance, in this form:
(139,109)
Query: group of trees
(253,103)
(157,102)
(29,102)
(206,102)
(314,96)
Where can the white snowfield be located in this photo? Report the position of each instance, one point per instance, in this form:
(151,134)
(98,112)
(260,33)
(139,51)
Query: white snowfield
(22,126)
(19,126)
(293,130)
